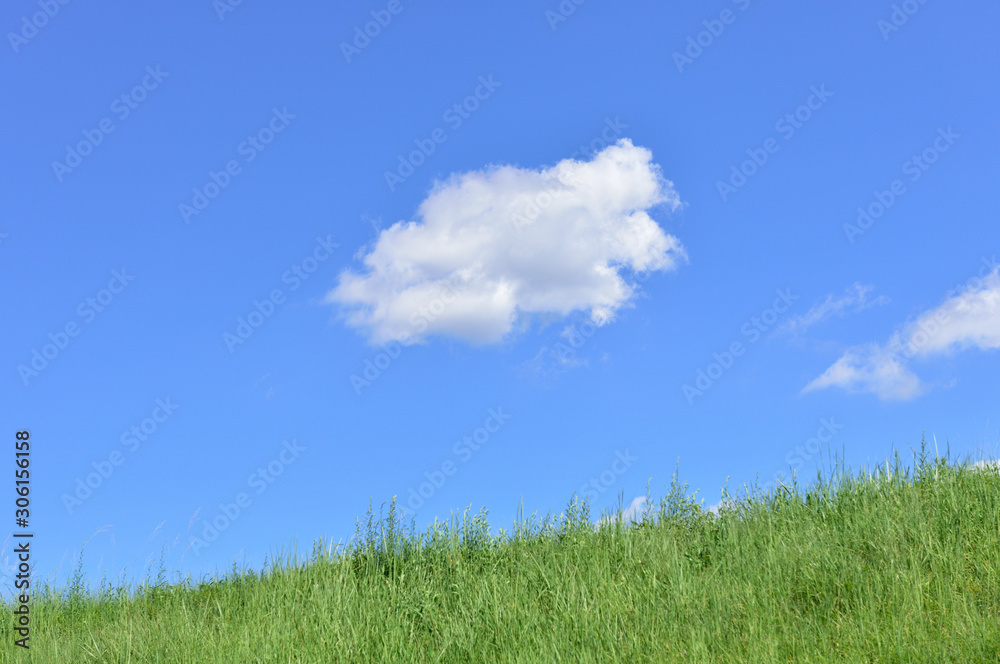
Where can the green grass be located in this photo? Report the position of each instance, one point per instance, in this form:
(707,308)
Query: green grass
(902,565)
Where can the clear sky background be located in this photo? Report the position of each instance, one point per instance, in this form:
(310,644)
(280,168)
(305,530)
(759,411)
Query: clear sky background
(658,248)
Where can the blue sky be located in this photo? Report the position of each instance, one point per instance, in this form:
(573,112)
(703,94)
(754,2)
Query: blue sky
(265,263)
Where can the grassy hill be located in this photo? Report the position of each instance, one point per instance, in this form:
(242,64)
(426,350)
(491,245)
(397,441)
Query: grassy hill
(899,565)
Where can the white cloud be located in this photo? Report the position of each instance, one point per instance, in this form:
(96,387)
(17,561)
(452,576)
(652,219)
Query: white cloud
(728,503)
(494,247)
(853,300)
(870,368)
(564,356)
(968,319)
(631,514)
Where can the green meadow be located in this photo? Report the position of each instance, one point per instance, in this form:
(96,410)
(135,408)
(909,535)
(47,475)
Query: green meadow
(896,564)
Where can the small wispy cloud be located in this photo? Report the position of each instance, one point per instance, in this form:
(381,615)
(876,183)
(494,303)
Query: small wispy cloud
(560,358)
(873,369)
(855,299)
(549,362)
(969,319)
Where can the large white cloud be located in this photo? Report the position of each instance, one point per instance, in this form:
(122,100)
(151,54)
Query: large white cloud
(493,247)
(968,319)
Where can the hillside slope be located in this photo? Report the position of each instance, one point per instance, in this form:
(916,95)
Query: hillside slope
(896,566)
